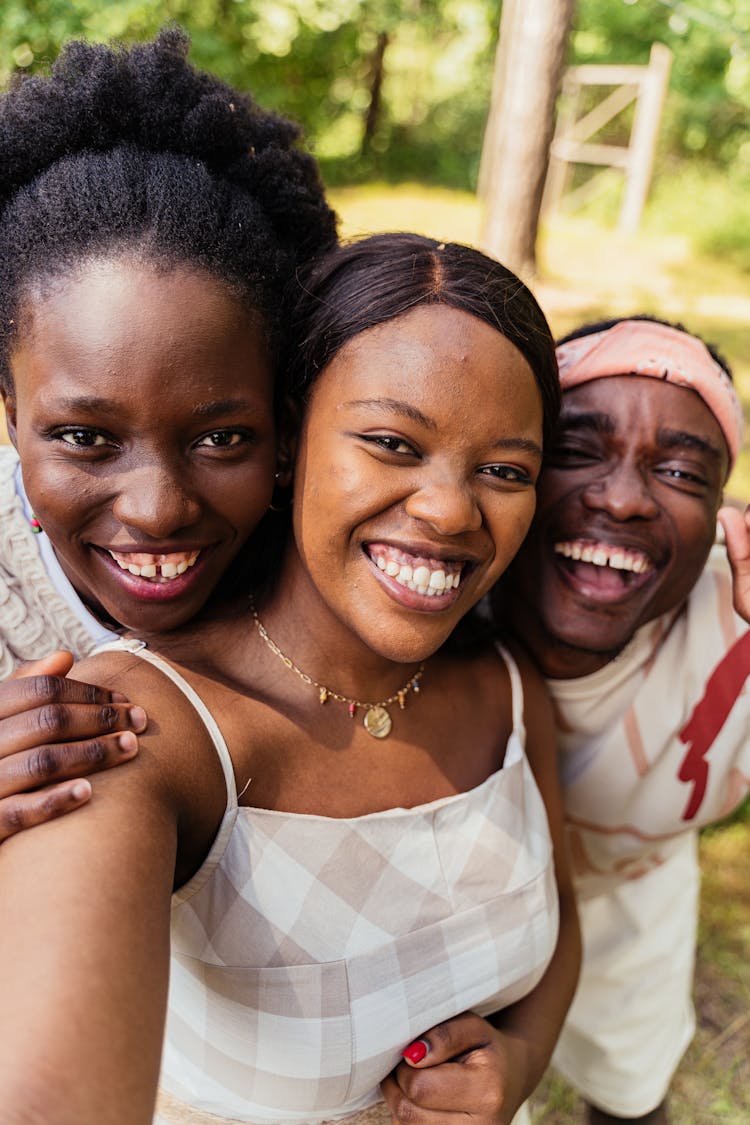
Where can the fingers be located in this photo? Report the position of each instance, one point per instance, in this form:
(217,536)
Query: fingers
(455,1068)
(27,810)
(26,692)
(54,732)
(56,664)
(736,526)
(449,1040)
(419,1095)
(63,722)
(42,765)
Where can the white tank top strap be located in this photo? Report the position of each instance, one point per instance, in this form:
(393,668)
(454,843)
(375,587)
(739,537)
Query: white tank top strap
(516,688)
(140,649)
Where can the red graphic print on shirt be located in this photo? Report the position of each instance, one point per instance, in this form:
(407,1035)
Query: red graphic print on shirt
(708,717)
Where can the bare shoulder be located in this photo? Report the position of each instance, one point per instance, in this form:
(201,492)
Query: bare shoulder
(177,758)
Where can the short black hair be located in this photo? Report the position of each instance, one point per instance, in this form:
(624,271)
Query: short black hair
(372,280)
(602,326)
(134,151)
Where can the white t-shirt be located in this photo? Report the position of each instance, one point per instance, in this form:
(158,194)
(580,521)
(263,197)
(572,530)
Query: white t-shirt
(657,742)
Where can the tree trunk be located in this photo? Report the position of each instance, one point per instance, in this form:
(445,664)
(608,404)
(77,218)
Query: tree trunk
(377,70)
(531,53)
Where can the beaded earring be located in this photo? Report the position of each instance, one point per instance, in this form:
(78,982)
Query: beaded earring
(36,527)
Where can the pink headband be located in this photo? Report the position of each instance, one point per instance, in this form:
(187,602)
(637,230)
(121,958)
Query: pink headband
(642,347)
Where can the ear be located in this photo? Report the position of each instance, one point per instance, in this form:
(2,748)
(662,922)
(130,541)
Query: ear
(9,403)
(287,447)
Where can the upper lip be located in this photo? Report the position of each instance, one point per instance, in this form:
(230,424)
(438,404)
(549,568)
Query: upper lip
(425,550)
(152,548)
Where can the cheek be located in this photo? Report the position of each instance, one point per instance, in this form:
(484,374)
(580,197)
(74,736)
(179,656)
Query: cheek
(243,501)
(522,521)
(511,526)
(60,497)
(331,482)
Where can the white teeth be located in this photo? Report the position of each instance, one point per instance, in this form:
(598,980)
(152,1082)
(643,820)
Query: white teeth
(424,581)
(159,568)
(602,555)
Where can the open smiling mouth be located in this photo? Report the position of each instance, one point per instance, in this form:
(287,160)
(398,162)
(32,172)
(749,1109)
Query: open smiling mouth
(605,568)
(431,578)
(157,568)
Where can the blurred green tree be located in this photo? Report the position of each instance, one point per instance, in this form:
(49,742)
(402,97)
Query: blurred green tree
(400,88)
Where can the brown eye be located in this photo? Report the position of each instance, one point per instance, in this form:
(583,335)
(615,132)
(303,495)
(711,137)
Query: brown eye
(389,442)
(82,438)
(221,439)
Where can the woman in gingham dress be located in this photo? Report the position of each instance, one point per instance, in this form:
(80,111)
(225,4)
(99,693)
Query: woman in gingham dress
(359,812)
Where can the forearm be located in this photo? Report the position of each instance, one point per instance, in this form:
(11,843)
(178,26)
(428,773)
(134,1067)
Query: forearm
(84,955)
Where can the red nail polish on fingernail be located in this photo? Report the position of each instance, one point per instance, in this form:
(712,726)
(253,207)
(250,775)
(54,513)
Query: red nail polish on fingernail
(415,1052)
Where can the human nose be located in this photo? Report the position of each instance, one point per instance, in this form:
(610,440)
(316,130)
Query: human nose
(622,491)
(447,504)
(155,502)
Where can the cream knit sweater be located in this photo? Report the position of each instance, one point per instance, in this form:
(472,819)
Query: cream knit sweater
(34,619)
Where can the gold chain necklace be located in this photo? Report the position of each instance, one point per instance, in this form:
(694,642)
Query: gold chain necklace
(377,721)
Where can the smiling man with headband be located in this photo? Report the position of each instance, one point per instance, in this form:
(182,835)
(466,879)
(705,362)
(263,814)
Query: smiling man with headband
(631,611)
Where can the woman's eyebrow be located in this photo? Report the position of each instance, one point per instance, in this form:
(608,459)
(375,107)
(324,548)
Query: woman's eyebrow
(407,410)
(223,406)
(96,404)
(91,404)
(397,406)
(525,444)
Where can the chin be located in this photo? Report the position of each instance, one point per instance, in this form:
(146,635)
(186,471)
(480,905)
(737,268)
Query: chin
(592,636)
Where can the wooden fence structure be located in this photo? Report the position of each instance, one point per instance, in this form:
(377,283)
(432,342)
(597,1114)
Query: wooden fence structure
(573,141)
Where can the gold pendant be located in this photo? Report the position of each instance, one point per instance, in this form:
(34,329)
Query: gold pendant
(378,722)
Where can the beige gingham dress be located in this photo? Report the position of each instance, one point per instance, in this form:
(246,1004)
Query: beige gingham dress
(307,951)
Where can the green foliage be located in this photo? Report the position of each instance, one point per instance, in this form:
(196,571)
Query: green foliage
(711,207)
(318,61)
(707,111)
